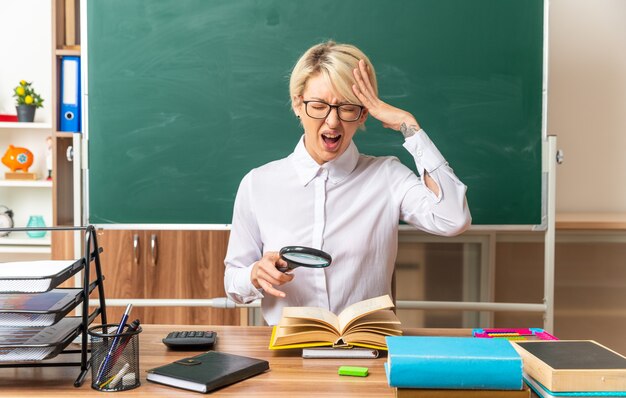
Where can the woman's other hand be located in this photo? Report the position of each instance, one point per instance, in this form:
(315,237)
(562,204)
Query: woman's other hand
(265,276)
(390,116)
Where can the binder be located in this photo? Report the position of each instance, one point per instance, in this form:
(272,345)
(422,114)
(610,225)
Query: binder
(70,94)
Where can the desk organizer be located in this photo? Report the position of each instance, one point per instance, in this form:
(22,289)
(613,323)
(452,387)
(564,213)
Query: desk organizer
(34,325)
(36,276)
(45,309)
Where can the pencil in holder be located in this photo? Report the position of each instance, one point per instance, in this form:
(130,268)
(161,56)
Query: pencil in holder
(114,357)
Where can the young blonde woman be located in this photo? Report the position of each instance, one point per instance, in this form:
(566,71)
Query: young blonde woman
(328,196)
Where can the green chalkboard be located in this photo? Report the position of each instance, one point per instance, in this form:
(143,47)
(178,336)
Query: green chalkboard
(186,96)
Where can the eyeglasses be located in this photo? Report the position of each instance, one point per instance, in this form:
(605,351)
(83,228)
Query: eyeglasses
(321,109)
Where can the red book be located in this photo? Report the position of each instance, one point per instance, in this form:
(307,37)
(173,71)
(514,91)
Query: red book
(8,118)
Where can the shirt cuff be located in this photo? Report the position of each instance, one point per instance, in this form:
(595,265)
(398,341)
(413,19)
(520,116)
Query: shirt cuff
(425,153)
(243,289)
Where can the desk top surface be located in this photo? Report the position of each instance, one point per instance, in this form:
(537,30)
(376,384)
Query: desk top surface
(290,375)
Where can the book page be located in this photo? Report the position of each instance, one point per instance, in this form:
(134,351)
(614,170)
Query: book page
(304,323)
(286,336)
(371,339)
(319,314)
(382,318)
(362,308)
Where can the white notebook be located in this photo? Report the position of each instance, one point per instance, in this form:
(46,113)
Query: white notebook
(330,352)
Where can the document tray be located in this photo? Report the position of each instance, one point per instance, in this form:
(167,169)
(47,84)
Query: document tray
(39,343)
(36,276)
(39,309)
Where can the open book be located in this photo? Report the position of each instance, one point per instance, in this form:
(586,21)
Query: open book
(364,324)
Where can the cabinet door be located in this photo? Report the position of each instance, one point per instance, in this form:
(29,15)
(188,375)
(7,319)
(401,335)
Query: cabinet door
(166,265)
(186,265)
(162,279)
(122,266)
(203,270)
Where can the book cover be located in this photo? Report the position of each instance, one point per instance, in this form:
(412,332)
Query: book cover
(543,392)
(453,363)
(363,324)
(441,393)
(573,365)
(207,372)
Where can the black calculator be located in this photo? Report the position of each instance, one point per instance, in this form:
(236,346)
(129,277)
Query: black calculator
(191,340)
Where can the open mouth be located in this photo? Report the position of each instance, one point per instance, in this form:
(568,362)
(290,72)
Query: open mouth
(331,141)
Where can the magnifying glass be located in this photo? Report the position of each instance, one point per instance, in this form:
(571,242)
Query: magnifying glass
(301,256)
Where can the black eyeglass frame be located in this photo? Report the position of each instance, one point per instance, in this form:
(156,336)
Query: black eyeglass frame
(330,108)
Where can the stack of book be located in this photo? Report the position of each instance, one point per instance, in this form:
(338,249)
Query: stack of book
(464,367)
(572,368)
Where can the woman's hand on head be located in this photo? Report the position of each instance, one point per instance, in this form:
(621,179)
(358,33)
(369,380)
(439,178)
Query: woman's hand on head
(390,116)
(265,276)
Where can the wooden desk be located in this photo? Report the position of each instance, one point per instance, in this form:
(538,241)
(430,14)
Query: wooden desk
(289,374)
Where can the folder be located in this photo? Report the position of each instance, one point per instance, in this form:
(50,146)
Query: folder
(70,94)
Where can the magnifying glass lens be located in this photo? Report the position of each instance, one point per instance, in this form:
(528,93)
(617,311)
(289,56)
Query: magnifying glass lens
(301,256)
(306,259)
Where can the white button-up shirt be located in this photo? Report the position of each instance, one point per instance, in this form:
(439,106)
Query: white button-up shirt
(349,207)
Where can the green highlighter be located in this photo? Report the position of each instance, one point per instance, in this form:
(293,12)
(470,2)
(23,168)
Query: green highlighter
(352,371)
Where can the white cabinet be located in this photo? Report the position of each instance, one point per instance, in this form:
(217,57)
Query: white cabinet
(29,58)
(26,197)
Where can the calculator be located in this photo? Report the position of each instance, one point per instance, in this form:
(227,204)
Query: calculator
(190,340)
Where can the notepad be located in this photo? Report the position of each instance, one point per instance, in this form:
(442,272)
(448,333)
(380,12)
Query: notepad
(332,352)
(208,371)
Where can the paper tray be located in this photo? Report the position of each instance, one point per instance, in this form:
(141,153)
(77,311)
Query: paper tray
(35,344)
(36,276)
(39,309)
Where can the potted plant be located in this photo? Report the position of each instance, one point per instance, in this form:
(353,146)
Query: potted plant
(27,101)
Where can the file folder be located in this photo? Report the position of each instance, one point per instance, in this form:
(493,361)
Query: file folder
(70,94)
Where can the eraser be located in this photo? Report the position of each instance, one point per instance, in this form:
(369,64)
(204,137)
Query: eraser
(353,371)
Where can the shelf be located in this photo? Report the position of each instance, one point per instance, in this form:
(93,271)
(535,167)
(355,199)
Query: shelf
(25,125)
(21,239)
(591,221)
(19,242)
(26,183)
(65,134)
(68,51)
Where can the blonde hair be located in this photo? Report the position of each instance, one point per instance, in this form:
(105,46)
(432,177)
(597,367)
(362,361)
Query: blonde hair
(335,62)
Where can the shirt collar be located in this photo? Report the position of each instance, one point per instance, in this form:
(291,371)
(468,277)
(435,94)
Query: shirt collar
(338,169)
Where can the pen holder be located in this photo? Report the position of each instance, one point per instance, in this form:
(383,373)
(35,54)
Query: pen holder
(114,358)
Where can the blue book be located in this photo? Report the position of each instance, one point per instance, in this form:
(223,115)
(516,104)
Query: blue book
(453,362)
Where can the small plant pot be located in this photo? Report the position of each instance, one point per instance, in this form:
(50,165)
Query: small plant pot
(25,113)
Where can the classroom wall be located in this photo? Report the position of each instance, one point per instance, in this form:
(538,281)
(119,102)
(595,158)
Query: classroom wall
(26,52)
(587,103)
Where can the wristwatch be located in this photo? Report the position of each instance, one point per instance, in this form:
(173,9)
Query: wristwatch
(408,131)
(6,220)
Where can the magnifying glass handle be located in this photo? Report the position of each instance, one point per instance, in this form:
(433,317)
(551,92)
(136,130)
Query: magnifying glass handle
(283,269)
